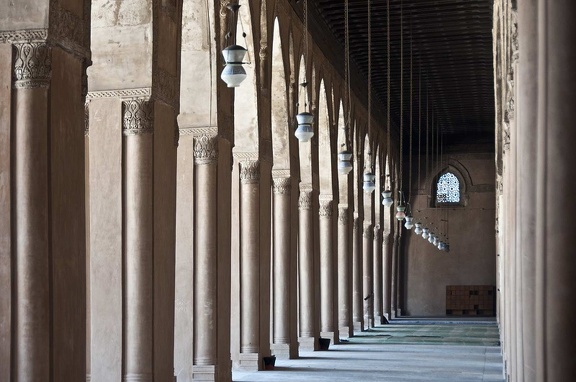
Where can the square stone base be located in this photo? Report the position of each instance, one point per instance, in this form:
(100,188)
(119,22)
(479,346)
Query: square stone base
(358,326)
(332,336)
(212,373)
(345,332)
(308,343)
(249,362)
(284,351)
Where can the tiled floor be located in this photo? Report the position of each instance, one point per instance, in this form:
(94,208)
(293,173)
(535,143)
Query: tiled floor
(407,350)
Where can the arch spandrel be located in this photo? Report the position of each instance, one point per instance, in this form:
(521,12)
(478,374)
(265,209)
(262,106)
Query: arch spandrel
(343,184)
(198,57)
(246,137)
(279,104)
(324,142)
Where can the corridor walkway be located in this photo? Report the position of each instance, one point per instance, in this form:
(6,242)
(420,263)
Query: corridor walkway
(407,350)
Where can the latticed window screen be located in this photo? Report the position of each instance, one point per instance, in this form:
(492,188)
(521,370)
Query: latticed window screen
(448,189)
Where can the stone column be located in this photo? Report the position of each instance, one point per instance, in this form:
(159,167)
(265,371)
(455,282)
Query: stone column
(377,272)
(42,201)
(357,292)
(307,277)
(527,134)
(328,328)
(205,252)
(393,274)
(367,284)
(138,223)
(345,326)
(281,337)
(556,179)
(250,266)
(386,275)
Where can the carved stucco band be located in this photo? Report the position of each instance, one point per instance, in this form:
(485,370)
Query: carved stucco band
(137,117)
(356,224)
(305,200)
(86,119)
(368,232)
(250,171)
(32,65)
(325,208)
(343,215)
(281,185)
(205,149)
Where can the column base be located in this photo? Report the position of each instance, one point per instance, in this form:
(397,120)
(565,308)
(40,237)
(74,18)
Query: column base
(137,377)
(345,332)
(284,351)
(211,373)
(368,323)
(399,312)
(308,343)
(249,362)
(358,326)
(333,336)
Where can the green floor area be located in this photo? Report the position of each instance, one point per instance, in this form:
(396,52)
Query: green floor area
(445,334)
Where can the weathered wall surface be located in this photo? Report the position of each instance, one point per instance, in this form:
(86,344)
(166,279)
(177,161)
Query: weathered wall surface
(472,256)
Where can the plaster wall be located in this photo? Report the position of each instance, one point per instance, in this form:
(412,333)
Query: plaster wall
(472,256)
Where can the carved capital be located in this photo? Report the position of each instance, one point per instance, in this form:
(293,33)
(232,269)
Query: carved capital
(138,116)
(281,185)
(205,149)
(86,119)
(376,231)
(342,215)
(368,231)
(325,208)
(356,224)
(305,200)
(250,171)
(32,65)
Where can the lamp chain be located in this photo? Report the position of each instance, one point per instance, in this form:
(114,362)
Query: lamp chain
(388,125)
(401,90)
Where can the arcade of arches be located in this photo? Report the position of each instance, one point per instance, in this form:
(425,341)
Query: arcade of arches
(155,223)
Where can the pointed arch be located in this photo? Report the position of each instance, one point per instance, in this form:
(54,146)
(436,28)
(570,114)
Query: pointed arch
(324,143)
(279,104)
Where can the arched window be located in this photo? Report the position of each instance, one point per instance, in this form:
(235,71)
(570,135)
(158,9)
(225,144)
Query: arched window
(448,189)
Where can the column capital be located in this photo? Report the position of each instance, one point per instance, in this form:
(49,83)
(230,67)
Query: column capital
(32,65)
(357,222)
(343,215)
(326,208)
(137,116)
(250,171)
(205,149)
(376,231)
(368,231)
(386,238)
(305,200)
(281,185)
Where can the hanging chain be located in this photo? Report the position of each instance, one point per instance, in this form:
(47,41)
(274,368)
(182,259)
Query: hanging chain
(427,129)
(411,127)
(306,58)
(347,68)
(419,123)
(401,90)
(388,81)
(369,71)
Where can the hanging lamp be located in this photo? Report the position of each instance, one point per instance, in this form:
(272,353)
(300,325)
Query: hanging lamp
(401,208)
(305,119)
(425,233)
(418,228)
(345,156)
(233,73)
(369,183)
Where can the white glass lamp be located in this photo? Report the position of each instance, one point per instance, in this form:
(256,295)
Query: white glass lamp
(344,162)
(400,212)
(304,131)
(425,233)
(369,182)
(408,224)
(387,200)
(233,73)
(418,228)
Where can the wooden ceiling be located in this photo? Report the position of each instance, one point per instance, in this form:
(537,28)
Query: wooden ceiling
(450,43)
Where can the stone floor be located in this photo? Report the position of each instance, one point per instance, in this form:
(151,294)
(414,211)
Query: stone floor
(430,350)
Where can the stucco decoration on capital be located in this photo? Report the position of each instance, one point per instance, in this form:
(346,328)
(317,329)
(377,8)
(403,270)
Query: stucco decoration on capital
(250,172)
(137,117)
(281,185)
(343,215)
(205,149)
(376,231)
(32,65)
(325,208)
(368,232)
(356,224)
(86,118)
(305,200)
